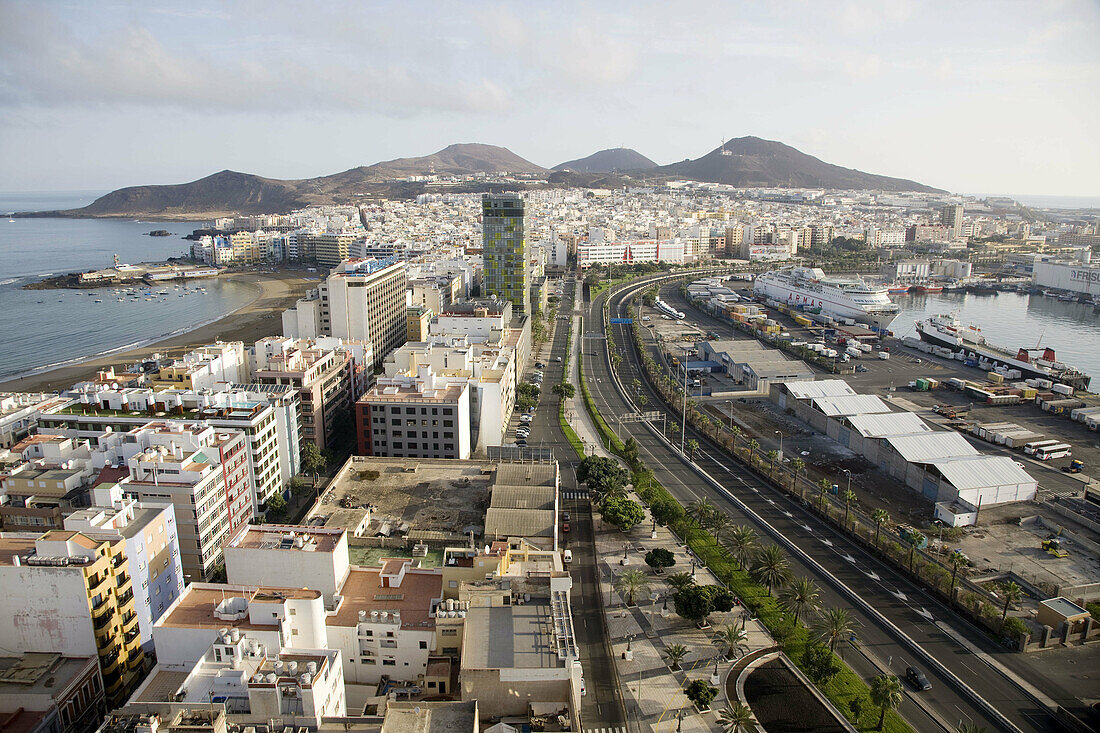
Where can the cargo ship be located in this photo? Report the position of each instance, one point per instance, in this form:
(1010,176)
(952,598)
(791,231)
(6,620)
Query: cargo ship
(897,288)
(841,297)
(928,288)
(1039,362)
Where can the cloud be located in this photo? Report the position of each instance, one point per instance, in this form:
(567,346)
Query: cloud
(44,65)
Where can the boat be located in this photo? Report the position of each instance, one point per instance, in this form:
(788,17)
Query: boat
(928,288)
(897,288)
(842,297)
(947,331)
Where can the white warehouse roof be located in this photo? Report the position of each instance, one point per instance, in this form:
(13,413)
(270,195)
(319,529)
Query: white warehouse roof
(881,425)
(980,472)
(821,388)
(850,404)
(931,447)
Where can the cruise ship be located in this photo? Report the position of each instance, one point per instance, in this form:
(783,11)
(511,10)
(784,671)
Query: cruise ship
(840,297)
(949,332)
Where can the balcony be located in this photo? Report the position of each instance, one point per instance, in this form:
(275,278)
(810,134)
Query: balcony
(129,620)
(126,597)
(104,635)
(102,621)
(119,561)
(108,663)
(137,659)
(101,607)
(95,583)
(388,643)
(122,583)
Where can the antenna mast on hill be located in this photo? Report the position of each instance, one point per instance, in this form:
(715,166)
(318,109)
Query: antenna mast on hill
(724,151)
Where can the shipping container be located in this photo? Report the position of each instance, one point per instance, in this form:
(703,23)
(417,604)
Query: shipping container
(1019,440)
(1062,389)
(996,378)
(1083,413)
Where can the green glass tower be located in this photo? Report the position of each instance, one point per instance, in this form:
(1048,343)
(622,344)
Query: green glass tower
(504,250)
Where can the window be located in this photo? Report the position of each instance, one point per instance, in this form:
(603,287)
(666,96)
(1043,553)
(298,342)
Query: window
(423,645)
(389,662)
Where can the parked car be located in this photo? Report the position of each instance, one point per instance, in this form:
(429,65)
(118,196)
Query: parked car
(565,526)
(539,365)
(565,516)
(526,417)
(861,368)
(917,679)
(557,359)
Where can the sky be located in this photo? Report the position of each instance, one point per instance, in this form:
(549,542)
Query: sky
(975,96)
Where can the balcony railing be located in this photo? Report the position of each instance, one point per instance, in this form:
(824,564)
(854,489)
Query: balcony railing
(126,597)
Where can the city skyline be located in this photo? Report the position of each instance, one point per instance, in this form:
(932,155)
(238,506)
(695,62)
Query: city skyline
(166,93)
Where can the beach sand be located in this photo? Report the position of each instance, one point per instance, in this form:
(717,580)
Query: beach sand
(259,318)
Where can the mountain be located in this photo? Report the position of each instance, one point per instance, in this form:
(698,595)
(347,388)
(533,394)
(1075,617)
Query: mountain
(223,192)
(231,192)
(608,161)
(751,161)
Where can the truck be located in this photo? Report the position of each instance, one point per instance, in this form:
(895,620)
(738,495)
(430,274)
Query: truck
(906,532)
(1075,466)
(884,355)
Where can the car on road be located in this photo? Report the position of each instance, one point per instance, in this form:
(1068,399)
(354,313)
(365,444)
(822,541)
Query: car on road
(557,359)
(526,417)
(521,442)
(523,433)
(584,690)
(565,526)
(565,516)
(917,679)
(861,368)
(539,365)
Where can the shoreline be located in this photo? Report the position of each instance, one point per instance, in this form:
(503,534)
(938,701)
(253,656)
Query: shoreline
(250,322)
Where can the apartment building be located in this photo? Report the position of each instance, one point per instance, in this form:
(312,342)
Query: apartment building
(425,415)
(75,597)
(324,378)
(361,300)
(951,216)
(329,249)
(48,692)
(267,413)
(18,414)
(418,318)
(504,249)
(152,547)
(673,252)
(205,367)
(435,292)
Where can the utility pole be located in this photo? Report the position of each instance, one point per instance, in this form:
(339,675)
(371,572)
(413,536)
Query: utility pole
(684,416)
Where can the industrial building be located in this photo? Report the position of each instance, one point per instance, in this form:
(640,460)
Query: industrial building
(942,466)
(1081,277)
(752,364)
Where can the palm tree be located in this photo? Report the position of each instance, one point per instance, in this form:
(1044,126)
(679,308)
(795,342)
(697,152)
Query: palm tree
(916,537)
(753,446)
(771,568)
(801,595)
(719,523)
(798,466)
(741,541)
(849,497)
(880,517)
(825,485)
(957,560)
(692,446)
(971,728)
(679,581)
(701,510)
(733,639)
(1011,593)
(630,583)
(737,718)
(886,694)
(835,625)
(675,654)
(736,432)
(773,459)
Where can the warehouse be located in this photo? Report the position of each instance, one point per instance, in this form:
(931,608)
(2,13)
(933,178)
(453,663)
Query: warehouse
(942,465)
(1077,277)
(753,365)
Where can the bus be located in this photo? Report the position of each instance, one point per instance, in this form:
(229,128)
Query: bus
(1050,452)
(1030,448)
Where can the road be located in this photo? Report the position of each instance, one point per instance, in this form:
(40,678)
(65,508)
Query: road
(838,560)
(602,706)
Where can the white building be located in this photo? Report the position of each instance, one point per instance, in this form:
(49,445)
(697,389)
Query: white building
(1081,277)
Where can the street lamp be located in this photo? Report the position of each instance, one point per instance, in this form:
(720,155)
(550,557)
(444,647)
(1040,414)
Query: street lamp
(780,434)
(693,567)
(730,403)
(849,478)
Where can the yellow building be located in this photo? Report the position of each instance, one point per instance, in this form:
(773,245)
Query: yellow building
(71,593)
(417,320)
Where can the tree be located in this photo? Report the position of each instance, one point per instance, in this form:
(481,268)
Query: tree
(630,583)
(885,694)
(679,581)
(1011,593)
(798,466)
(311,459)
(771,568)
(701,510)
(297,486)
(737,718)
(694,603)
(971,728)
(623,513)
(635,386)
(916,539)
(631,454)
(957,560)
(732,638)
(820,663)
(675,654)
(849,496)
(692,446)
(603,475)
(773,460)
(666,511)
(754,445)
(880,517)
(801,595)
(825,485)
(276,504)
(835,625)
(700,693)
(720,523)
(564,391)
(741,541)
(659,558)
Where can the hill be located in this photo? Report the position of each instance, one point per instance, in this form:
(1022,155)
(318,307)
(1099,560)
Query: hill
(608,161)
(751,161)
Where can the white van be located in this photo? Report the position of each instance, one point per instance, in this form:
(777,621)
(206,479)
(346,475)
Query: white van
(567,556)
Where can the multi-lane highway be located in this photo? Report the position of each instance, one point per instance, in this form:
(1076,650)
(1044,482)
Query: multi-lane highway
(890,609)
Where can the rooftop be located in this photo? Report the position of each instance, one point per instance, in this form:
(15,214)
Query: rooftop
(292,538)
(34,673)
(195,607)
(1063,606)
(430,717)
(363,591)
(819,388)
(503,637)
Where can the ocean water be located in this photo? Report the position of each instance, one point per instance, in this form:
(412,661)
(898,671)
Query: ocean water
(1013,320)
(44,328)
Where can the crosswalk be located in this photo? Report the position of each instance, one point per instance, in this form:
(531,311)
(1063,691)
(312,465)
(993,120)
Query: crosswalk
(575,495)
(616,729)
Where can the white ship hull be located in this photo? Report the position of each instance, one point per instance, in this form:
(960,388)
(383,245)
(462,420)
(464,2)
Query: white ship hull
(828,299)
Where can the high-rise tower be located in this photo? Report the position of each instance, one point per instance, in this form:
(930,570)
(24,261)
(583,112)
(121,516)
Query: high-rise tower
(952,218)
(504,250)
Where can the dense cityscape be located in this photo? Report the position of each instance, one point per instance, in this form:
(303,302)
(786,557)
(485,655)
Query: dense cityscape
(747,441)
